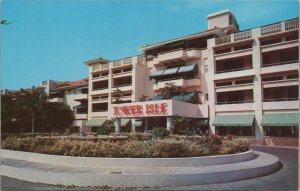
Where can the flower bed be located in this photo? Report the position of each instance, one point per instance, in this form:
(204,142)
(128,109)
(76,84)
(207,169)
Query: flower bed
(175,146)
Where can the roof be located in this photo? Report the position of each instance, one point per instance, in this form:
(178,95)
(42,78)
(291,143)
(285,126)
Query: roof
(71,85)
(97,60)
(217,31)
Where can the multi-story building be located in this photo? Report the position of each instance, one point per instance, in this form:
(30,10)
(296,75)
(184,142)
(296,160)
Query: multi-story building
(74,94)
(231,82)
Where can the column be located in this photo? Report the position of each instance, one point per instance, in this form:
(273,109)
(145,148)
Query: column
(257,91)
(117,124)
(170,125)
(132,126)
(146,124)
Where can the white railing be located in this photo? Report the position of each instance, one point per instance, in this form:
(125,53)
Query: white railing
(292,24)
(96,67)
(223,40)
(104,66)
(117,63)
(127,61)
(271,29)
(242,35)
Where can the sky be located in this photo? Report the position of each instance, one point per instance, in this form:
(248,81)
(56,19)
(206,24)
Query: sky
(53,39)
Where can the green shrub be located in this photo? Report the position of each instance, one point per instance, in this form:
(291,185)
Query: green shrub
(174,146)
(161,132)
(107,128)
(134,136)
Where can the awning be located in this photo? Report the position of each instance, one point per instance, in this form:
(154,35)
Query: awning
(202,122)
(187,68)
(280,120)
(80,106)
(124,122)
(185,97)
(170,71)
(138,123)
(156,98)
(157,73)
(95,122)
(234,120)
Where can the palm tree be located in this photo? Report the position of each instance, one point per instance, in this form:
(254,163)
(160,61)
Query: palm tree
(117,94)
(32,100)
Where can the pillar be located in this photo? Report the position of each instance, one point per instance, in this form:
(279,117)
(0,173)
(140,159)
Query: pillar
(170,125)
(132,126)
(146,124)
(117,124)
(257,90)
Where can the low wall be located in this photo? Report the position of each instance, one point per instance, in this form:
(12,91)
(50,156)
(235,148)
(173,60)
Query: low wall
(284,141)
(127,162)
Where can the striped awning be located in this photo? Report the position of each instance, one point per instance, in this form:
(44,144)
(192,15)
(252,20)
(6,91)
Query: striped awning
(170,71)
(156,73)
(124,122)
(280,120)
(138,123)
(95,122)
(234,120)
(187,68)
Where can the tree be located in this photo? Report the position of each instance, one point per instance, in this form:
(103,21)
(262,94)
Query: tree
(117,94)
(170,90)
(32,100)
(55,116)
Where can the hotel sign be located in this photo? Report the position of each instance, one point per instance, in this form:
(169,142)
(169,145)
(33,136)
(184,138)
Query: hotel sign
(145,109)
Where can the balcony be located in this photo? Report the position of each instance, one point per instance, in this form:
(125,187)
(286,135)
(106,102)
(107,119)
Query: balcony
(281,104)
(244,35)
(80,96)
(280,67)
(234,73)
(280,27)
(123,62)
(123,87)
(100,67)
(57,99)
(177,82)
(178,55)
(235,106)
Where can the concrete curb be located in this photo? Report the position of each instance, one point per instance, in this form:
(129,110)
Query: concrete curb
(127,162)
(124,177)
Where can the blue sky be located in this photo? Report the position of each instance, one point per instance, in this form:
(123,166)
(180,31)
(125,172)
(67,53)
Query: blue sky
(52,39)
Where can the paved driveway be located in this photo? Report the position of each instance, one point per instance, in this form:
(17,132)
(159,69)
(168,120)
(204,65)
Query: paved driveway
(283,180)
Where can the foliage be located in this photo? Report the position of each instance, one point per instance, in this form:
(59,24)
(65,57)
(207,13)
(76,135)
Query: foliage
(29,111)
(170,90)
(144,98)
(135,136)
(107,128)
(182,125)
(176,146)
(117,95)
(161,132)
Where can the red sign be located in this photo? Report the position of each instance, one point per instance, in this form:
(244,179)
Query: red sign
(140,110)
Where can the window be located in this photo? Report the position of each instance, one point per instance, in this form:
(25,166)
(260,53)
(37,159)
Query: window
(99,107)
(272,78)
(270,41)
(127,69)
(117,71)
(218,84)
(292,76)
(104,73)
(221,51)
(243,47)
(247,81)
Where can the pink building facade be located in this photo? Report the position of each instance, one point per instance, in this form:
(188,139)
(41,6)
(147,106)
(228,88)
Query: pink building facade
(225,80)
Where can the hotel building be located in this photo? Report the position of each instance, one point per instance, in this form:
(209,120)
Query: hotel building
(227,80)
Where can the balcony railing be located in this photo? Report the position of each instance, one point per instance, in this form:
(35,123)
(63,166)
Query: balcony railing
(123,62)
(234,70)
(280,63)
(100,88)
(122,85)
(271,29)
(98,67)
(223,40)
(242,35)
(235,102)
(292,24)
(117,63)
(280,99)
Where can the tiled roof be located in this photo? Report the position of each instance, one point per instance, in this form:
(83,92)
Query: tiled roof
(71,85)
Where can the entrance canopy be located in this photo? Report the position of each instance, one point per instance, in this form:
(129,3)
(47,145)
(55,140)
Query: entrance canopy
(95,122)
(280,120)
(124,122)
(234,120)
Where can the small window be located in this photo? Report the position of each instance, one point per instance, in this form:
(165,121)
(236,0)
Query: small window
(96,75)
(96,98)
(292,37)
(127,69)
(224,50)
(104,74)
(270,41)
(206,97)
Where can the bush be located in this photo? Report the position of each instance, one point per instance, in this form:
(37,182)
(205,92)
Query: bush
(107,128)
(161,132)
(134,136)
(174,146)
